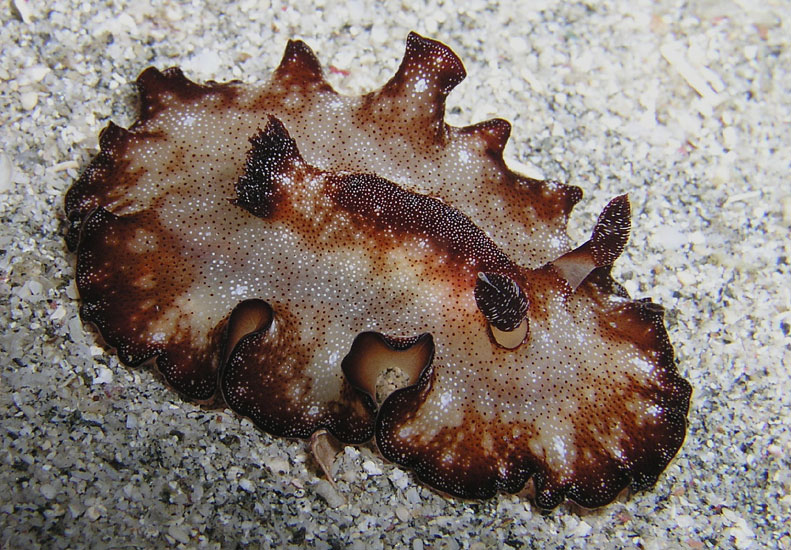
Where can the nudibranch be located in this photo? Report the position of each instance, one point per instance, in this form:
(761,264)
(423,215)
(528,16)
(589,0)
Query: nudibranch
(278,248)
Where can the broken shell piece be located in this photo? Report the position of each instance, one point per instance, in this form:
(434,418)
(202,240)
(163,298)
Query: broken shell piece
(324,451)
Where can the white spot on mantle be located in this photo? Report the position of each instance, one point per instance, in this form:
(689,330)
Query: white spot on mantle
(559,445)
(643,365)
(445,398)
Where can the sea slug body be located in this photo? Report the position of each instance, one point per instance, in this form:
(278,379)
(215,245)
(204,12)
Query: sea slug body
(277,248)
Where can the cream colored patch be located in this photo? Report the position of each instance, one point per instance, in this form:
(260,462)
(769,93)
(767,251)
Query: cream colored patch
(438,412)
(609,437)
(406,432)
(190,318)
(147,281)
(642,365)
(324,369)
(487,442)
(305,191)
(556,444)
(643,411)
(449,455)
(143,242)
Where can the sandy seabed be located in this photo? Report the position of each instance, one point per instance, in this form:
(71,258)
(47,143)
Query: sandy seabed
(684,106)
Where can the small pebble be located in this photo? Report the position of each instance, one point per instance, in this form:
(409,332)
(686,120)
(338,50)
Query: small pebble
(28,100)
(402,513)
(48,491)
